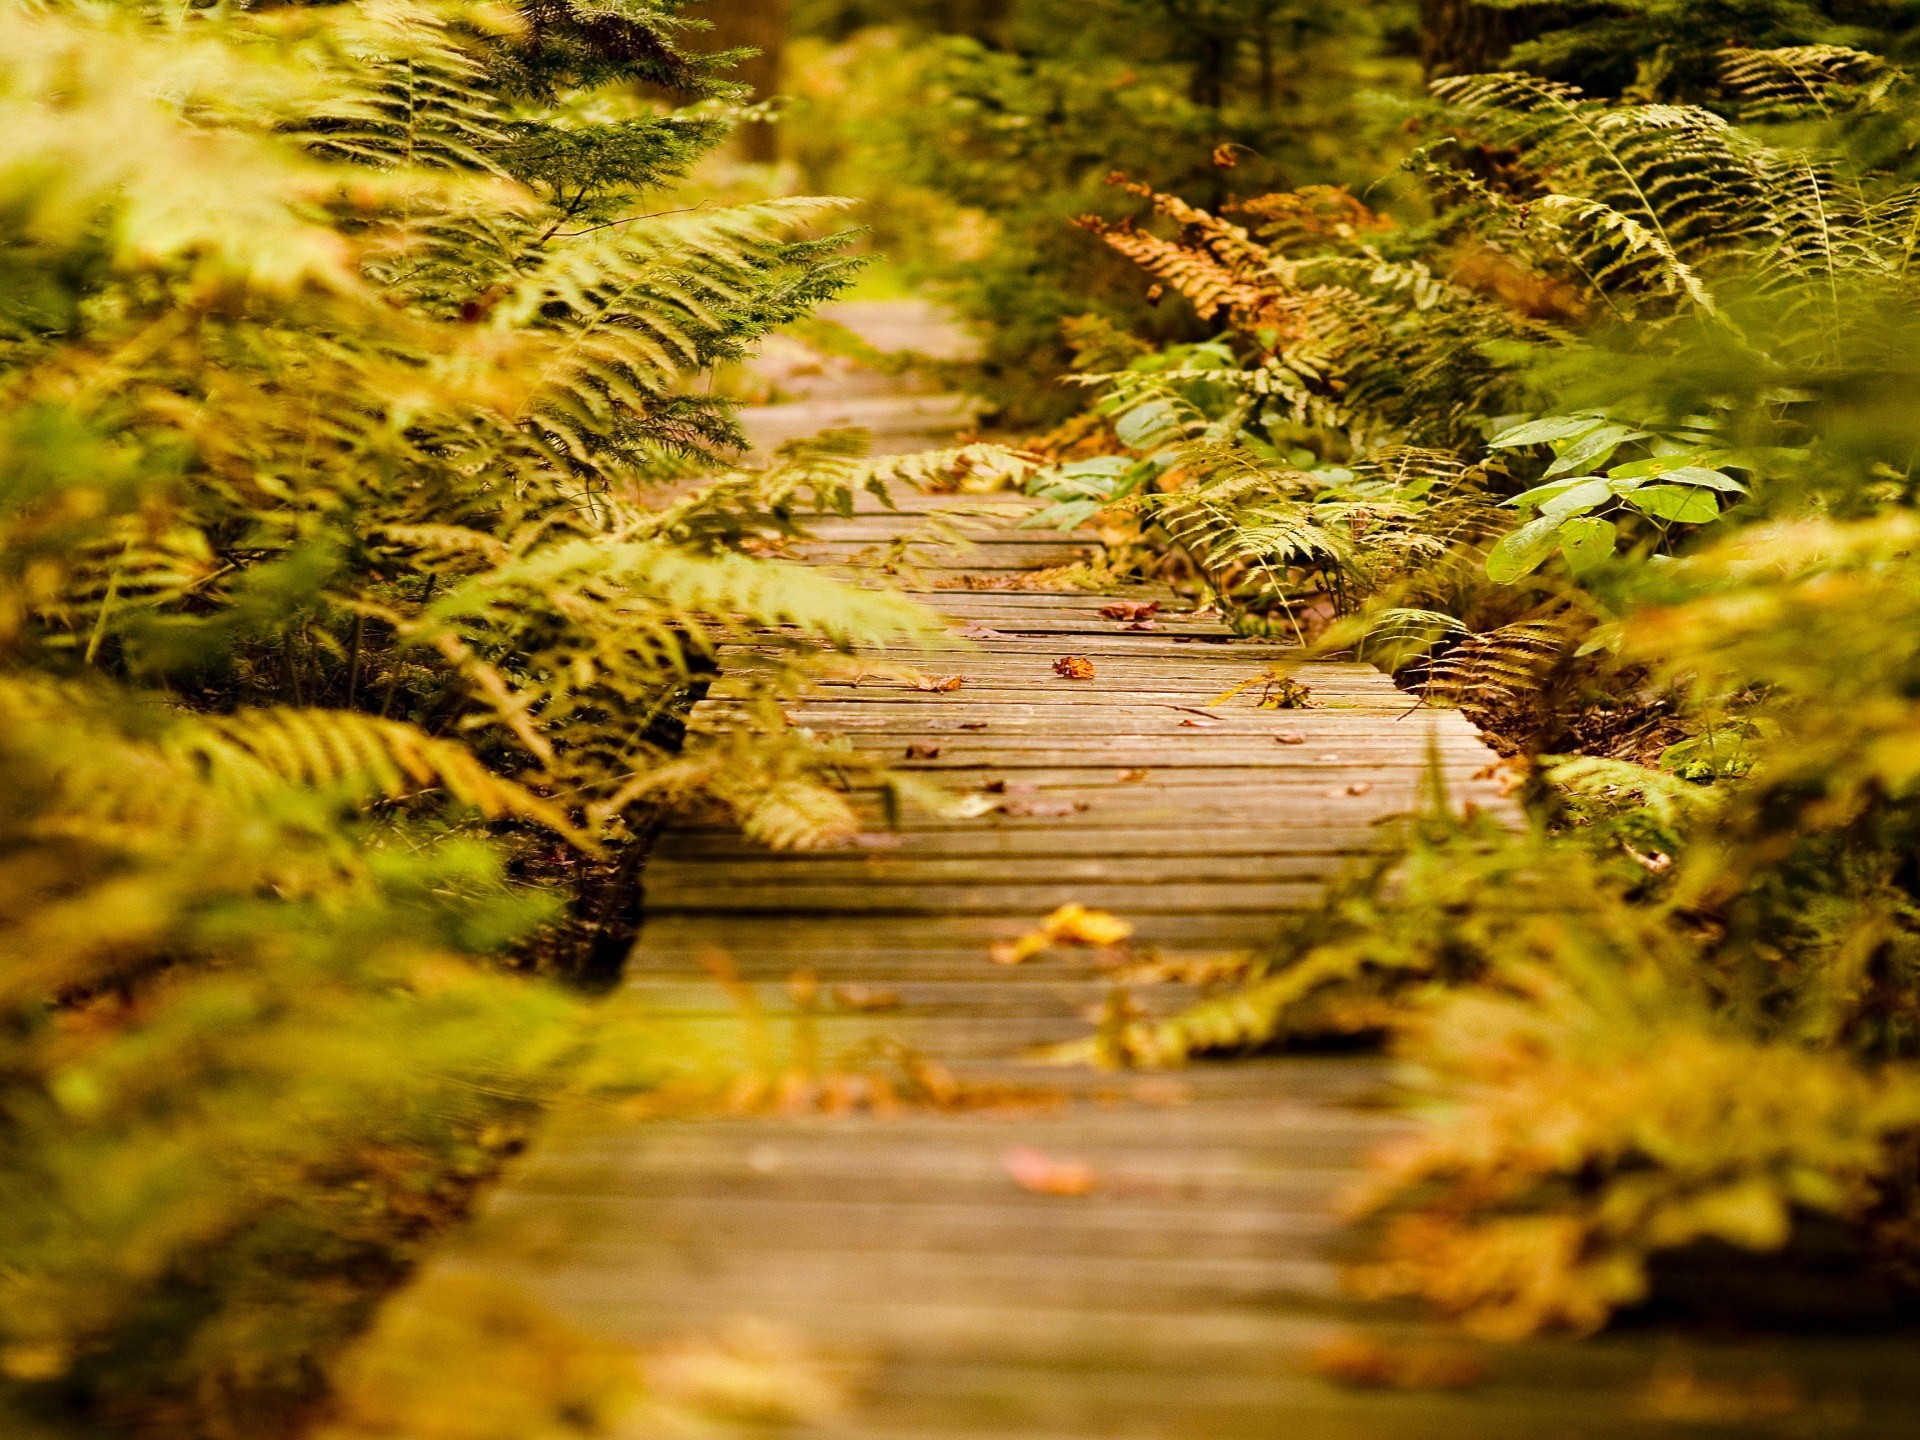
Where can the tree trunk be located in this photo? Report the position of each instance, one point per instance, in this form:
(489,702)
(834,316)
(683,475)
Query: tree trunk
(761,24)
(1458,37)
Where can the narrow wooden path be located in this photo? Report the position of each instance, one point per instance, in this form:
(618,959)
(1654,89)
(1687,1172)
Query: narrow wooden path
(1181,1287)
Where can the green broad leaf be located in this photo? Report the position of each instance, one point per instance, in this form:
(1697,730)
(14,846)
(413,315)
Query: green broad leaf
(1061,517)
(1541,494)
(1577,498)
(1681,503)
(1593,449)
(1607,637)
(1705,478)
(1543,432)
(1145,424)
(1587,542)
(1524,551)
(1678,458)
(1100,477)
(1098,465)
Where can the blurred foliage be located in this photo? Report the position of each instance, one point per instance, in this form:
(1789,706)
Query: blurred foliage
(976,130)
(363,535)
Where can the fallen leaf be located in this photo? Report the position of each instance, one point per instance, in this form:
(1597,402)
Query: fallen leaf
(1130,609)
(1073,667)
(1071,924)
(982,632)
(1139,772)
(1200,722)
(1285,693)
(1040,1173)
(973,724)
(1365,1363)
(1042,809)
(1143,625)
(923,752)
(1076,924)
(940,684)
(866,997)
(970,807)
(1289,737)
(1358,787)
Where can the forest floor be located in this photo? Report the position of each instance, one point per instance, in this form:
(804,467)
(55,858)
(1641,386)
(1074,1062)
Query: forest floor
(968,1243)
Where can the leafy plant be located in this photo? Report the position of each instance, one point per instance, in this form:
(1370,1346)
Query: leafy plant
(364,532)
(1677,1012)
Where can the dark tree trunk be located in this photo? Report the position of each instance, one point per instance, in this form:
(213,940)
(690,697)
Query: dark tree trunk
(761,24)
(984,20)
(1458,37)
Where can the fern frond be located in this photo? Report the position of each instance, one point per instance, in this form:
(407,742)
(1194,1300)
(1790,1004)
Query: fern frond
(1793,80)
(250,753)
(1497,668)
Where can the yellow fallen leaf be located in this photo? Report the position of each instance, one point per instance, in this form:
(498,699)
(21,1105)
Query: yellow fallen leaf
(1071,924)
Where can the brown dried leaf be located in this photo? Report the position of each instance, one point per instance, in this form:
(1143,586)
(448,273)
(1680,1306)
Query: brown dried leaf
(1138,772)
(1288,737)
(939,684)
(1042,809)
(1130,609)
(1073,667)
(1283,692)
(921,751)
(976,631)
(1041,1174)
(973,724)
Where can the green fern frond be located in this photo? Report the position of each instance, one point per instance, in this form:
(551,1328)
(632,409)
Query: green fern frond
(361,757)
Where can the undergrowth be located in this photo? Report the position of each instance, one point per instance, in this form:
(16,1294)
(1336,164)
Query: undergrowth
(1613,448)
(364,532)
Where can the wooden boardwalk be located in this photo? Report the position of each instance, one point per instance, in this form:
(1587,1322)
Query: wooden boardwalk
(1183,1286)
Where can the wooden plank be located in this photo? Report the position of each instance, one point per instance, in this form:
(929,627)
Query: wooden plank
(1272,837)
(721,897)
(889,868)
